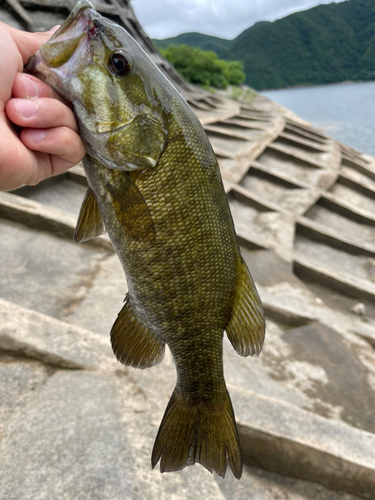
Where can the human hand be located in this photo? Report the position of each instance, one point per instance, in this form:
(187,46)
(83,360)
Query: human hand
(49,142)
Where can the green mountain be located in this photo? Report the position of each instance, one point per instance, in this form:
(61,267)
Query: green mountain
(198,40)
(325,44)
(204,42)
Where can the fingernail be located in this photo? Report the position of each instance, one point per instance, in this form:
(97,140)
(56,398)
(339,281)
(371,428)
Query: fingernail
(36,135)
(26,108)
(29,86)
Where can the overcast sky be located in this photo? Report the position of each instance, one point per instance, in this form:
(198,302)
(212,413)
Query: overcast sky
(224,18)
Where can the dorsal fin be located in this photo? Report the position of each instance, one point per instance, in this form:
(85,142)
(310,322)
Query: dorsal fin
(246,327)
(90,222)
(133,343)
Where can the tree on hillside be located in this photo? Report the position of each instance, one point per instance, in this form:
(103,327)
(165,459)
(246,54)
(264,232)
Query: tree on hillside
(204,67)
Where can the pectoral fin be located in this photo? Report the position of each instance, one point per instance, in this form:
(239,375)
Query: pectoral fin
(133,343)
(246,327)
(136,207)
(90,223)
(130,206)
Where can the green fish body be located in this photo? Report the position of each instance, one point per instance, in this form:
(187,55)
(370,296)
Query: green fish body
(155,187)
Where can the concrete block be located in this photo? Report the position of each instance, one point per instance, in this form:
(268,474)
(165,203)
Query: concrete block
(33,335)
(287,440)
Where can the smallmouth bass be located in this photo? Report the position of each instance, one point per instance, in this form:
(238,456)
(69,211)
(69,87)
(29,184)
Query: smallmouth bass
(155,187)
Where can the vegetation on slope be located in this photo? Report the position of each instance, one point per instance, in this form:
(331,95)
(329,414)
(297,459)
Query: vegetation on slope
(322,45)
(201,41)
(204,67)
(325,44)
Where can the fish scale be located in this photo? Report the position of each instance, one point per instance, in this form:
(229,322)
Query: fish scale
(155,187)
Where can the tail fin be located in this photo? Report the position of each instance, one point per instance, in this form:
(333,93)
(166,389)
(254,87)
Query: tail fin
(201,433)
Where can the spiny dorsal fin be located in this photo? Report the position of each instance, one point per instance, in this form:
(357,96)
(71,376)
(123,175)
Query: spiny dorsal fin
(90,222)
(246,327)
(133,343)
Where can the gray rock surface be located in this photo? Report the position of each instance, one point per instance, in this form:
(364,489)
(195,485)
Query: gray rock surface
(87,435)
(56,343)
(258,484)
(347,383)
(282,438)
(104,299)
(67,195)
(42,272)
(296,367)
(19,379)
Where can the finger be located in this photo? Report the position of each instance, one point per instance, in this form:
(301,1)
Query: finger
(28,43)
(40,113)
(27,86)
(23,164)
(59,141)
(46,165)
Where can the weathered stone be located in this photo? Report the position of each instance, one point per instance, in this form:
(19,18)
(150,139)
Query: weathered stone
(258,374)
(47,218)
(32,335)
(344,382)
(99,308)
(8,18)
(67,444)
(333,277)
(359,309)
(35,214)
(312,367)
(18,381)
(268,269)
(281,438)
(297,300)
(57,192)
(45,273)
(80,438)
(258,484)
(98,421)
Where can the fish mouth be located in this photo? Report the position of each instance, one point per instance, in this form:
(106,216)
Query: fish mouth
(76,23)
(81,26)
(70,43)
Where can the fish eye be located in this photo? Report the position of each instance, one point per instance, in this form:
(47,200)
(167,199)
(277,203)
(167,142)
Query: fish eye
(119,65)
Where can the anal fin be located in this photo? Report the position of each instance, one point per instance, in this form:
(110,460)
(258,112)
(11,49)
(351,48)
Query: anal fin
(246,327)
(90,222)
(133,343)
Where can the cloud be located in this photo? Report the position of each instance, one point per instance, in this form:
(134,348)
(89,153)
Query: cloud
(224,18)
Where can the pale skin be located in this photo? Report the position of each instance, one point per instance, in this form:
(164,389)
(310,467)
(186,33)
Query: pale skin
(47,140)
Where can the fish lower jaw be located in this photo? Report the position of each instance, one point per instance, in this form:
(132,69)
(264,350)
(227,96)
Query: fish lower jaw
(37,67)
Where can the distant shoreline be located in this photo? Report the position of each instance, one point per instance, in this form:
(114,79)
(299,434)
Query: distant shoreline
(343,110)
(346,82)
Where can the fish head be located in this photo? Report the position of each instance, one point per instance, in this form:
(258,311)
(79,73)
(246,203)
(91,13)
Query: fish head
(114,87)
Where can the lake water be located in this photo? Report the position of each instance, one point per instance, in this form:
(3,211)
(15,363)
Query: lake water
(344,111)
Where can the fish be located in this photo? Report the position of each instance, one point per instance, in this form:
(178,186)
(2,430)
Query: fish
(154,186)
